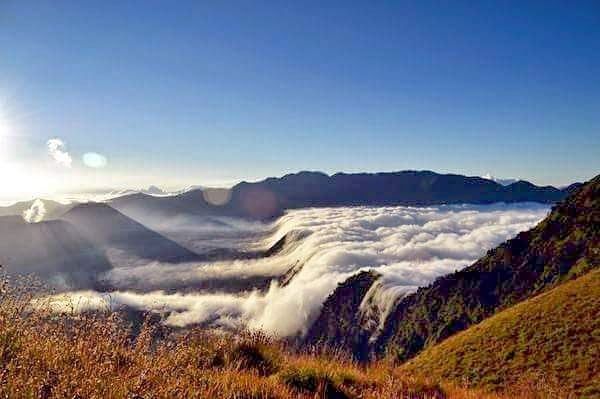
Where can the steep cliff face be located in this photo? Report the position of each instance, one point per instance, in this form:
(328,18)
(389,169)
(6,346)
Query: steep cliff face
(566,244)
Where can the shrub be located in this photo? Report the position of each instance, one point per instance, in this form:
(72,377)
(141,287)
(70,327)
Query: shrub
(309,379)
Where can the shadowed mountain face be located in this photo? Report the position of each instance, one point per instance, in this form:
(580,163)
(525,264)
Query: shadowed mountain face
(124,240)
(563,246)
(572,187)
(341,320)
(307,189)
(53,250)
(269,198)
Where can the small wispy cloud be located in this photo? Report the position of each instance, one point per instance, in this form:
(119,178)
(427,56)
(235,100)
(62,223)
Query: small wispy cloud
(36,213)
(58,151)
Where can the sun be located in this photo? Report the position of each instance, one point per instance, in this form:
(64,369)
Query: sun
(16,178)
(21,178)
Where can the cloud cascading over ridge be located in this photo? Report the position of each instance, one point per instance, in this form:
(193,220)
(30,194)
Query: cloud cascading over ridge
(408,246)
(58,151)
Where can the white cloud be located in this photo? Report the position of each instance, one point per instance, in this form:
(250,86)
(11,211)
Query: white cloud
(57,150)
(410,247)
(36,212)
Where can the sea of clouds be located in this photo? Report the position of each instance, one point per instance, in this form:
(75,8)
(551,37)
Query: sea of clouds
(408,246)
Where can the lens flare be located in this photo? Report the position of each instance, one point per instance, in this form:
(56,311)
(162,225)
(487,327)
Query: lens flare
(94,160)
(217,196)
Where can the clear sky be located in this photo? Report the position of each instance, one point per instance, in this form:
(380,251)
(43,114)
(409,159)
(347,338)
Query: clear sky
(174,92)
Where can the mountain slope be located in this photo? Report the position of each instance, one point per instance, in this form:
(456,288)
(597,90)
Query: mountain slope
(53,250)
(270,197)
(566,244)
(341,320)
(124,239)
(556,333)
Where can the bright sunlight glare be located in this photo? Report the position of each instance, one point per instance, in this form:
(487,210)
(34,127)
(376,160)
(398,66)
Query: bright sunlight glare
(16,179)
(4,130)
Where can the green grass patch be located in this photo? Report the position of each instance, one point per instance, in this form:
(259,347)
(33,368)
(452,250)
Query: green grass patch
(555,335)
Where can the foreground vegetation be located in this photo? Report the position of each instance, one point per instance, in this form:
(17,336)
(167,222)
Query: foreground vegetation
(556,334)
(101,356)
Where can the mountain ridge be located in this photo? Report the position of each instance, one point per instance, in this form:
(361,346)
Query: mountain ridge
(270,197)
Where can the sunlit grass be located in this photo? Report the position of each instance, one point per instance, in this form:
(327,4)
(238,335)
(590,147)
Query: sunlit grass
(553,338)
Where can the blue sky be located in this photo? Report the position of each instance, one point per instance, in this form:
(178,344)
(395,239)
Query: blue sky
(176,93)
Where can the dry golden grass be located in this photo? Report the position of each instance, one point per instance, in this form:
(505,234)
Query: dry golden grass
(96,356)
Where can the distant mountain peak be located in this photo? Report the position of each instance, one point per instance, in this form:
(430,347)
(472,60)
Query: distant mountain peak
(153,190)
(502,181)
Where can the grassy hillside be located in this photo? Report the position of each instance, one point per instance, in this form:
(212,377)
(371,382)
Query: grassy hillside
(555,334)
